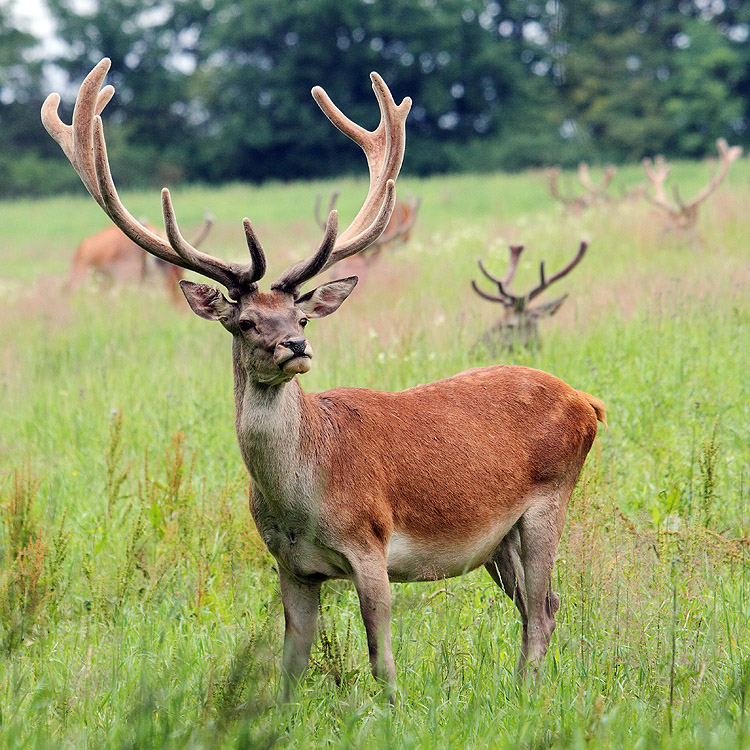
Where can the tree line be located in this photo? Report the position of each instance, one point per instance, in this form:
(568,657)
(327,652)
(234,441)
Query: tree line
(219,90)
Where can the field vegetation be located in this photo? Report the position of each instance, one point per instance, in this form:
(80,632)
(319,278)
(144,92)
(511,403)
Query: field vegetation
(138,607)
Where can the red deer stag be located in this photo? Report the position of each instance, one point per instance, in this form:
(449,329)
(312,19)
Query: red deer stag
(358,484)
(519,326)
(114,256)
(682,216)
(593,193)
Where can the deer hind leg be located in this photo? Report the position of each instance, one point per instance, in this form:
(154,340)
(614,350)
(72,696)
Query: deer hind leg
(506,570)
(540,528)
(373,590)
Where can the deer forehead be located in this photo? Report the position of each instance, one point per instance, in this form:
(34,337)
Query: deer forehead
(273,305)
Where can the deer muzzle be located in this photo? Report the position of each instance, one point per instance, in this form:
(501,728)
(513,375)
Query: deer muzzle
(293,355)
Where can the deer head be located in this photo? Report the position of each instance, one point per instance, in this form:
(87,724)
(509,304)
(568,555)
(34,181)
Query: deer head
(267,326)
(519,326)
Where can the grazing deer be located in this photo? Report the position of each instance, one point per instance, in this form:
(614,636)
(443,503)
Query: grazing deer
(115,256)
(431,482)
(682,216)
(519,326)
(593,193)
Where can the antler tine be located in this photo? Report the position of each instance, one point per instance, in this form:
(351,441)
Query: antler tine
(548,282)
(208,222)
(552,174)
(505,297)
(76,140)
(303,270)
(84,144)
(727,156)
(657,172)
(584,177)
(331,205)
(504,300)
(492,278)
(384,150)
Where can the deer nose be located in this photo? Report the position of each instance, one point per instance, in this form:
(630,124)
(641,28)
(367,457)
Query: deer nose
(296,346)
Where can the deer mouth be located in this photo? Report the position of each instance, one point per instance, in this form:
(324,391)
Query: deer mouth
(296,364)
(293,360)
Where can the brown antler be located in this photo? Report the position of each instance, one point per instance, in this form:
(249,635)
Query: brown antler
(84,145)
(596,192)
(320,221)
(685,214)
(519,302)
(727,156)
(384,149)
(657,172)
(505,282)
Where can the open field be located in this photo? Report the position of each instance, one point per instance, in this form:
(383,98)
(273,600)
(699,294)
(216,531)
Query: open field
(138,608)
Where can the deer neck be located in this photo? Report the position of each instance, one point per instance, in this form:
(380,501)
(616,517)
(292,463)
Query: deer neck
(275,427)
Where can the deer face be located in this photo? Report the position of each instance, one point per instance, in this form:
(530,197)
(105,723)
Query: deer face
(268,327)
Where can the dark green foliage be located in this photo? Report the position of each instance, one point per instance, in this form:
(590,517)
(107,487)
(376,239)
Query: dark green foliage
(217,91)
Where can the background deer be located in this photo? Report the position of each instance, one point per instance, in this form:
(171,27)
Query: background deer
(593,193)
(683,216)
(519,326)
(431,482)
(113,255)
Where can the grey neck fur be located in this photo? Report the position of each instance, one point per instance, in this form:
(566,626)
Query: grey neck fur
(268,421)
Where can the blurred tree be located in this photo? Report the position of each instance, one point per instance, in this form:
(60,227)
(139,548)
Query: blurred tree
(219,89)
(646,77)
(152,44)
(261,58)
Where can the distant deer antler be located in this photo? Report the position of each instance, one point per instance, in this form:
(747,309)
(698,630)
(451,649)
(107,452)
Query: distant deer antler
(397,230)
(684,216)
(593,193)
(519,325)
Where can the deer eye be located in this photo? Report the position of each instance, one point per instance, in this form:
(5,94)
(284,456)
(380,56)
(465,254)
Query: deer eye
(248,325)
(303,322)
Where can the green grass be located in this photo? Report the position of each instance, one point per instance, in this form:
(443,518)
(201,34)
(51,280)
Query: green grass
(138,608)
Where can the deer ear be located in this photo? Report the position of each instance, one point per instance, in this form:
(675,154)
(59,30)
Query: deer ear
(207,301)
(550,308)
(327,298)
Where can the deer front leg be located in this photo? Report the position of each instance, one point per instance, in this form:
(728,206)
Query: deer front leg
(301,604)
(373,589)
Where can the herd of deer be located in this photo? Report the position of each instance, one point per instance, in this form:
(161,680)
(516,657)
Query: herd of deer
(370,486)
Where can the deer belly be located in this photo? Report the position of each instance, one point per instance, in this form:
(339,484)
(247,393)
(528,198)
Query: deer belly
(413,559)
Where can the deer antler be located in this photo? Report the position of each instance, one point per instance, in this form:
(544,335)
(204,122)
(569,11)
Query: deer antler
(519,302)
(594,190)
(684,213)
(319,220)
(384,149)
(727,156)
(657,173)
(84,145)
(592,194)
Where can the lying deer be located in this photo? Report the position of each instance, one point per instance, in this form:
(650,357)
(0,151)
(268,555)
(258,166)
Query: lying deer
(683,216)
(593,193)
(115,256)
(519,326)
(431,482)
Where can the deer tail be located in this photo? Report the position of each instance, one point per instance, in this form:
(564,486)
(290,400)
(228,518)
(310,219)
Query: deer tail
(597,405)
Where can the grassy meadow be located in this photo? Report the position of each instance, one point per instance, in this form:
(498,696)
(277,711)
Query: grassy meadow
(138,607)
